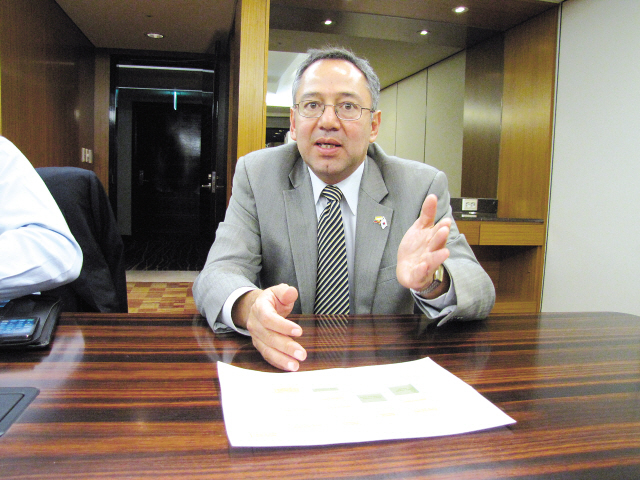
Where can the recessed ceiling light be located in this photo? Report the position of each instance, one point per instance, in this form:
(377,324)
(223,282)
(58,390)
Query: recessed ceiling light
(328,21)
(155,35)
(423,32)
(460,9)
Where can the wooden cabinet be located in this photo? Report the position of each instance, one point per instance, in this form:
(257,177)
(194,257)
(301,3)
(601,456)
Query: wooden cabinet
(512,253)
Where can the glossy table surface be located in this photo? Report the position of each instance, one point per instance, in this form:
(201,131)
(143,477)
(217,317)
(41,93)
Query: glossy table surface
(137,396)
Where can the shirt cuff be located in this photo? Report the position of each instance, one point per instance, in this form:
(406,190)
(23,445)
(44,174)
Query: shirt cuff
(440,306)
(224,322)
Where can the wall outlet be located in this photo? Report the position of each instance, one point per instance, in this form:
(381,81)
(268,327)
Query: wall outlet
(469,204)
(86,156)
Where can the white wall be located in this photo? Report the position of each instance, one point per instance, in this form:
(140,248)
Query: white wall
(388,105)
(445,119)
(423,118)
(593,246)
(412,116)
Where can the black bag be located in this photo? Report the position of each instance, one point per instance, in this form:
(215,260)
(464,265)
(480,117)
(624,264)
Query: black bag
(46,308)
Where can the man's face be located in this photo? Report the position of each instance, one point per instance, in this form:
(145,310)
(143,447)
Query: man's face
(334,148)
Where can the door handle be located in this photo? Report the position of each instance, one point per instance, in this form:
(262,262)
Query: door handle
(211,186)
(141,179)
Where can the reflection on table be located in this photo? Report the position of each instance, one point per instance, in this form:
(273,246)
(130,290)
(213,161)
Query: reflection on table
(136,396)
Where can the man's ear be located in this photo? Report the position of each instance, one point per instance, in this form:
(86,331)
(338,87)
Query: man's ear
(292,121)
(376,117)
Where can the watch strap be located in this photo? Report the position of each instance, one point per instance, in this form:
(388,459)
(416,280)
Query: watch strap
(438,277)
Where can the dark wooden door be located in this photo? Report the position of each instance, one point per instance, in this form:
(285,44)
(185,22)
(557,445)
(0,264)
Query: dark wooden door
(169,168)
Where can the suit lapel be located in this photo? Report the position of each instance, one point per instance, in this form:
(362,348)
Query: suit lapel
(302,228)
(371,238)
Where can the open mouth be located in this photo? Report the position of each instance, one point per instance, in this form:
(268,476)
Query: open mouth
(327,145)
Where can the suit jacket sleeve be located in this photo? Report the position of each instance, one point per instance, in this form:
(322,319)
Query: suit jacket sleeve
(474,290)
(235,259)
(396,188)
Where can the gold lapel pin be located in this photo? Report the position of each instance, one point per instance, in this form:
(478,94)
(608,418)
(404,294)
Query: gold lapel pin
(381,221)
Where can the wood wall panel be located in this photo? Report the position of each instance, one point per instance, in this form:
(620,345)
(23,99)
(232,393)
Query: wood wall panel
(47,82)
(234,90)
(527,118)
(249,56)
(471,231)
(101,118)
(482,119)
(525,153)
(499,233)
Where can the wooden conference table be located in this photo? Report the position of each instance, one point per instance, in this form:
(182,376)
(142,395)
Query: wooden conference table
(137,396)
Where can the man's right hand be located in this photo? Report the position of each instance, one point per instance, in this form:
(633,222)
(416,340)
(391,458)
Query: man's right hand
(262,313)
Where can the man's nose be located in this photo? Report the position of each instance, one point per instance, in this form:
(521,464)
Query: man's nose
(329,117)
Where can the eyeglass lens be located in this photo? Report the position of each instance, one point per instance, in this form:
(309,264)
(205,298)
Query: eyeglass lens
(344,111)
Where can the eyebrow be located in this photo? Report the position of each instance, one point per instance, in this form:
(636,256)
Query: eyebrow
(348,95)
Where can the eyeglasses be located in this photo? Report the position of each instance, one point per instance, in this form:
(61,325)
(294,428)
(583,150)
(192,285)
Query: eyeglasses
(344,111)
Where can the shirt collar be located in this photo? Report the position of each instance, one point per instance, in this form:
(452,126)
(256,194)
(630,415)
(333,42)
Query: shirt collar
(350,187)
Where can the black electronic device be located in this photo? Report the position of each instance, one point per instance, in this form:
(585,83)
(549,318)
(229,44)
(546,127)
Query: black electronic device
(18,330)
(29,322)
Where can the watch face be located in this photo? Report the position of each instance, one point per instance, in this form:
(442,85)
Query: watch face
(438,275)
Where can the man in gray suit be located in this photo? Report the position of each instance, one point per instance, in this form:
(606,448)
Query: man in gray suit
(403,247)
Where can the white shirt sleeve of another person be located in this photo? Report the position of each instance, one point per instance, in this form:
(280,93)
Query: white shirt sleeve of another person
(37,250)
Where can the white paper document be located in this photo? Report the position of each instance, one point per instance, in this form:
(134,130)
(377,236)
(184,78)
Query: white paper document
(346,405)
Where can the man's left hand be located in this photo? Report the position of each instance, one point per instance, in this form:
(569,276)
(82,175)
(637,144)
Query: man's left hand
(423,248)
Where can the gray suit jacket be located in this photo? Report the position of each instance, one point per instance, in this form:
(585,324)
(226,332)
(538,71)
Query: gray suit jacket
(269,234)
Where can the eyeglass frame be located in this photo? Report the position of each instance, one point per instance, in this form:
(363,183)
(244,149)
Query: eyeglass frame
(335,110)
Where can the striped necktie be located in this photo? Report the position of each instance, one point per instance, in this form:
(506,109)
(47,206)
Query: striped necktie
(332,288)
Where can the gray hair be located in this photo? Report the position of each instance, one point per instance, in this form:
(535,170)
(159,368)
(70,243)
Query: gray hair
(338,53)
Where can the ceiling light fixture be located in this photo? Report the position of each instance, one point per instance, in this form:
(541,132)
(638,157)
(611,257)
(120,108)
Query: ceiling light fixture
(423,32)
(154,35)
(328,21)
(460,9)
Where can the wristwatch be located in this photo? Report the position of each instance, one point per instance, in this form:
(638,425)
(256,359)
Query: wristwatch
(438,277)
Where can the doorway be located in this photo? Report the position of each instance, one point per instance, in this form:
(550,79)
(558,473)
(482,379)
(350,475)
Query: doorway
(164,158)
(166,163)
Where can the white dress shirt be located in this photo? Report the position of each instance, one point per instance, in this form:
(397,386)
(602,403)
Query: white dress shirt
(350,188)
(37,250)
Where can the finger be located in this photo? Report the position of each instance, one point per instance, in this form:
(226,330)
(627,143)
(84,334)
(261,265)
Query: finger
(422,274)
(275,358)
(264,316)
(428,211)
(436,254)
(285,296)
(281,344)
(437,258)
(269,310)
(276,340)
(444,222)
(271,333)
(287,357)
(439,238)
